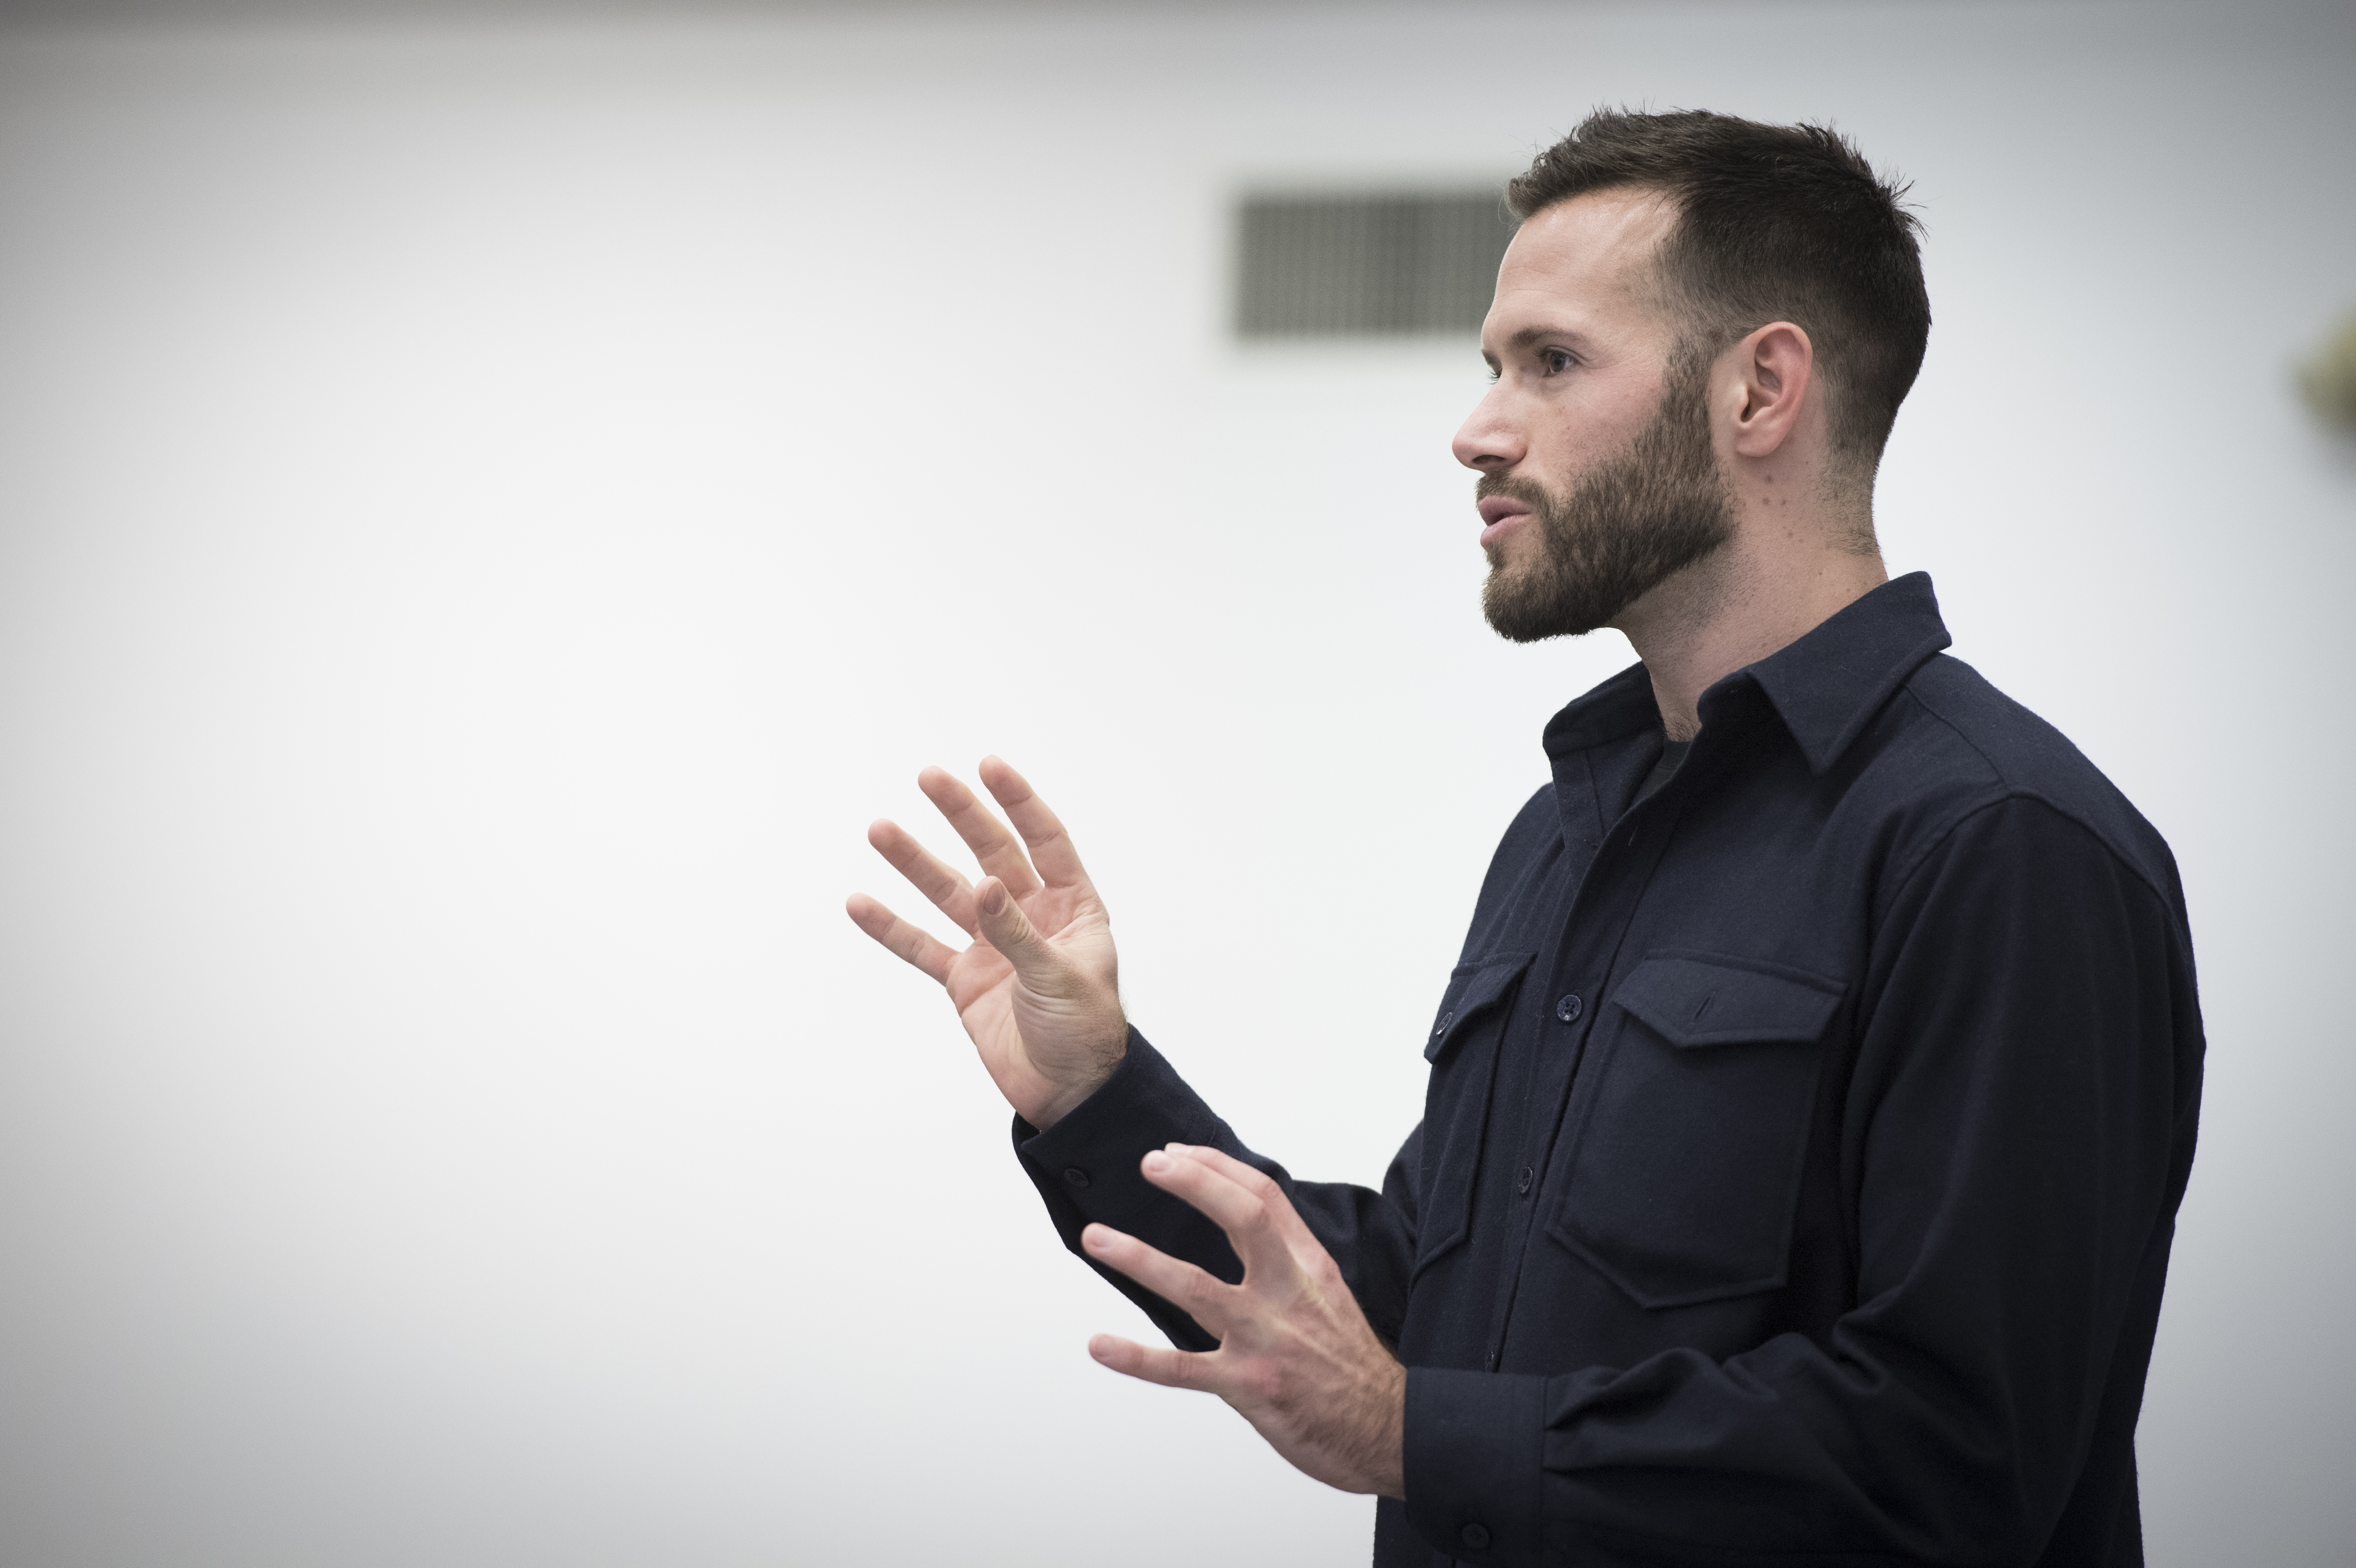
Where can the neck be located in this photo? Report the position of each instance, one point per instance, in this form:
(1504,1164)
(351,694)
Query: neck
(1740,604)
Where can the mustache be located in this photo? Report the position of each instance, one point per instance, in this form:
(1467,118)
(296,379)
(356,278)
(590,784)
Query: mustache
(1513,489)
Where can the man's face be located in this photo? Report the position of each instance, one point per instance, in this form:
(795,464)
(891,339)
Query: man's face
(1599,478)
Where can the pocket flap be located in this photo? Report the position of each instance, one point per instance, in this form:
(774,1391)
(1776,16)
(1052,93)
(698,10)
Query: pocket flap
(1472,989)
(1696,1001)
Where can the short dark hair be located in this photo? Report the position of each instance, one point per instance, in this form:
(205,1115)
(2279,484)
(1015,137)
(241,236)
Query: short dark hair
(1774,223)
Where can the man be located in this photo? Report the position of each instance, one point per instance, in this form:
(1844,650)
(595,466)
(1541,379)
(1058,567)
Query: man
(1809,1112)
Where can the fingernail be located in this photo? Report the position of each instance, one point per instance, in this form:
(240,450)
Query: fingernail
(993,898)
(1157,1161)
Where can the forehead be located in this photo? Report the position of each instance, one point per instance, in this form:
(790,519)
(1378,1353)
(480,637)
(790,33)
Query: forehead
(1589,258)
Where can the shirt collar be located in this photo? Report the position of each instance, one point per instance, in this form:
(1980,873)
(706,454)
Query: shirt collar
(1825,686)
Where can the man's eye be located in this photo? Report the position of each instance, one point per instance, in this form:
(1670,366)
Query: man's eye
(1556,360)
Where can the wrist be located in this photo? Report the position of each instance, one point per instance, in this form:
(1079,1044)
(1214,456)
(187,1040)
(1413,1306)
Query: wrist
(1071,1092)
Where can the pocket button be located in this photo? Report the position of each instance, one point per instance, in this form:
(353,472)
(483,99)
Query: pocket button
(1569,1008)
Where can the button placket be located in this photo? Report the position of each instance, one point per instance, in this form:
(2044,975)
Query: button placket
(1601,909)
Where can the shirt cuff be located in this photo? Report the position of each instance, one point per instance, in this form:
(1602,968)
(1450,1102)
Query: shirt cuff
(1474,1463)
(1089,1159)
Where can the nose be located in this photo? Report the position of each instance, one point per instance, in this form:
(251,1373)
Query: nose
(1488,443)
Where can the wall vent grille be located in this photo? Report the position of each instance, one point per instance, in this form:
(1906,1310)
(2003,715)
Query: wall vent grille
(1368,264)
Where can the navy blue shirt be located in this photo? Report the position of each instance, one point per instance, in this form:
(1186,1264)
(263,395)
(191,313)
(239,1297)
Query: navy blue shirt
(1803,1145)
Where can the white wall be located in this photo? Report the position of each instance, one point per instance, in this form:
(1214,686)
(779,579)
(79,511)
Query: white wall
(487,515)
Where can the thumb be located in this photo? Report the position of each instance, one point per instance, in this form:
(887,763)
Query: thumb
(1010,931)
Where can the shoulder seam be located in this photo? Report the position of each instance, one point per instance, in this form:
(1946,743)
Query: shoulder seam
(1996,769)
(2006,788)
(1898,885)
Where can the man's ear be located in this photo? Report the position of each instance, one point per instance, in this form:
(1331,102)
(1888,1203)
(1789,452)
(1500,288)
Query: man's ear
(1773,368)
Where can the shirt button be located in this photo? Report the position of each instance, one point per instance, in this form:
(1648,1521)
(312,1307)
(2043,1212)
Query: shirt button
(1521,1182)
(1475,1537)
(1568,1008)
(1445,1019)
(1075,1176)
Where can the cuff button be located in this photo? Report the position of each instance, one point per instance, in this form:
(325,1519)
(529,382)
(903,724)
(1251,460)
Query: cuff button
(1075,1176)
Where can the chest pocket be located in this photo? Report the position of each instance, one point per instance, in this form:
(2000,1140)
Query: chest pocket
(1462,1048)
(1686,1169)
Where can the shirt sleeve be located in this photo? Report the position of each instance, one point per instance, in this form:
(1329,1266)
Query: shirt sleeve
(2016,1130)
(1087,1169)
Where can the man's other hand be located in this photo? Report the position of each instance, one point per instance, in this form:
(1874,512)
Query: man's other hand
(1297,1358)
(1036,989)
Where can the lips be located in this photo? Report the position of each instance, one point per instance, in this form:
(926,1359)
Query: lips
(1499,515)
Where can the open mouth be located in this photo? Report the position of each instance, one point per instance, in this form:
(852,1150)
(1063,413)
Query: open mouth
(1499,515)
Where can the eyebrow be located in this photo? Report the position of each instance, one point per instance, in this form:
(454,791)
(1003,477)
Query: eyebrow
(1530,335)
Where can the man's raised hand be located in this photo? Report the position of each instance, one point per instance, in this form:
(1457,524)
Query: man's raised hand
(1036,989)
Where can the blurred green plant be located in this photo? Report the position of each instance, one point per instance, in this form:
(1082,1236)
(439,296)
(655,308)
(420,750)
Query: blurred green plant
(2327,381)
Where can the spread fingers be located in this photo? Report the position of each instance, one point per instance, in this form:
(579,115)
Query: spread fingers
(1201,1296)
(1170,1369)
(998,851)
(1043,832)
(1250,1221)
(1257,1182)
(950,894)
(912,944)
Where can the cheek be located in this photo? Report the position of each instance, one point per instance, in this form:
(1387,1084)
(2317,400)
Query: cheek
(1561,454)
(1601,427)
(1555,447)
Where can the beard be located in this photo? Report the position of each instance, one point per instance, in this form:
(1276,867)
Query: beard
(1634,520)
